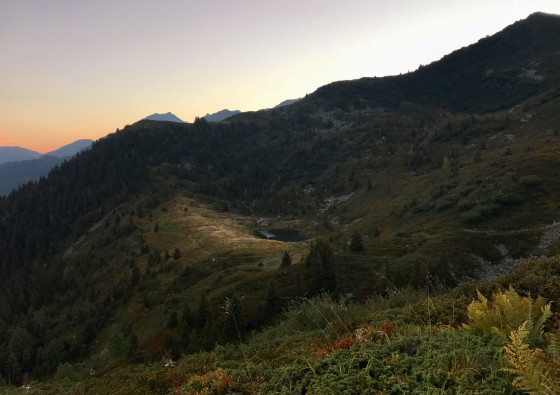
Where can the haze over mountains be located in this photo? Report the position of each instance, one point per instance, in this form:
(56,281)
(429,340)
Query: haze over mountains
(26,165)
(12,154)
(215,117)
(71,149)
(142,247)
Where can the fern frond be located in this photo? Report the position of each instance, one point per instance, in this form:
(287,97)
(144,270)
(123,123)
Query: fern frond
(538,305)
(553,348)
(506,312)
(532,370)
(536,334)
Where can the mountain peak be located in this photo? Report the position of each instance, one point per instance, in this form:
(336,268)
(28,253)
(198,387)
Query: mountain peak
(167,117)
(541,15)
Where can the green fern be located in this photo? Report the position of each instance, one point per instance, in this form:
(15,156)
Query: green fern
(537,328)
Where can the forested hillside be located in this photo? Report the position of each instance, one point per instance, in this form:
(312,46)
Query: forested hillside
(143,247)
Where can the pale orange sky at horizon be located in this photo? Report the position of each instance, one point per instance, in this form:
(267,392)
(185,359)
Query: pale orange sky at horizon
(74,70)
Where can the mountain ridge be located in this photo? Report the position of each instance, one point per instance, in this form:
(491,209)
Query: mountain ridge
(221,115)
(396,194)
(14,153)
(71,149)
(287,103)
(478,62)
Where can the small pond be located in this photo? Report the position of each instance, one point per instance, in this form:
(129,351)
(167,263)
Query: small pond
(287,235)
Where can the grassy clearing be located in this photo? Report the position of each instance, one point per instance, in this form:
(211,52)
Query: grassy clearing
(205,235)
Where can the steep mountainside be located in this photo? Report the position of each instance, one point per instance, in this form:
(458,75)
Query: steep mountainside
(495,73)
(136,246)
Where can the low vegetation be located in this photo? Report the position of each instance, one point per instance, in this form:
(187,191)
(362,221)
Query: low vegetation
(406,342)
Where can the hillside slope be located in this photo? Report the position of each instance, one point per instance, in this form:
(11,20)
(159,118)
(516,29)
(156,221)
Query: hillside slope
(410,341)
(135,246)
(495,73)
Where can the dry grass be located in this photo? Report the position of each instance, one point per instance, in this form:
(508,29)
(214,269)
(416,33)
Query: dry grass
(202,234)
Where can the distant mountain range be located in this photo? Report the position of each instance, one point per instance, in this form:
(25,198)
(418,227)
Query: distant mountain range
(12,154)
(221,115)
(215,117)
(71,149)
(20,165)
(169,117)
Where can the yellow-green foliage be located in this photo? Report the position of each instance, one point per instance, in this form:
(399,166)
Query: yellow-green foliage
(553,344)
(506,312)
(535,371)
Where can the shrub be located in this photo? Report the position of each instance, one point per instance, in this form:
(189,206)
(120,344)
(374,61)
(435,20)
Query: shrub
(445,203)
(176,254)
(479,212)
(68,371)
(531,181)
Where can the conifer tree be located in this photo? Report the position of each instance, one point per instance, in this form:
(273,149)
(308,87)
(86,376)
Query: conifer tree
(286,259)
(273,302)
(135,275)
(203,315)
(187,316)
(176,254)
(173,321)
(357,242)
(322,268)
(133,352)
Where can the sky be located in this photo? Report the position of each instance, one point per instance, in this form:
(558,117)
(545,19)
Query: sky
(73,69)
